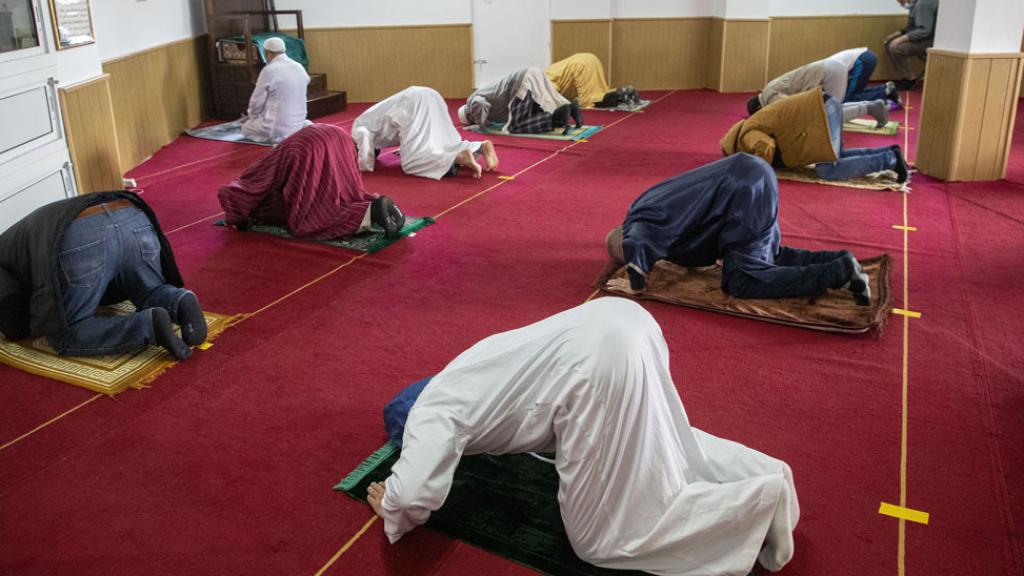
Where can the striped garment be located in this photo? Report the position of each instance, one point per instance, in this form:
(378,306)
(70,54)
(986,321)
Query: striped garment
(310,183)
(527,117)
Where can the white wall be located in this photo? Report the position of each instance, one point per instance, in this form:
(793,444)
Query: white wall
(127,26)
(334,13)
(998,25)
(581,9)
(662,8)
(831,7)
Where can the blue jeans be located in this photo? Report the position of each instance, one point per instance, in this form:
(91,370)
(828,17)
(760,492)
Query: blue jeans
(793,274)
(857,89)
(111,247)
(852,162)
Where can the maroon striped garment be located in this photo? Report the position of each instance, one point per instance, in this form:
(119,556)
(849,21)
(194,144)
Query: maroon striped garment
(310,182)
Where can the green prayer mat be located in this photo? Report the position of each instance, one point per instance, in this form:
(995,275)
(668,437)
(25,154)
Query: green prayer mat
(584,131)
(294,47)
(369,242)
(865,126)
(507,505)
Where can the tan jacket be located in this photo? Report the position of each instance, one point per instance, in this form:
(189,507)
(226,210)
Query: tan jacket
(797,126)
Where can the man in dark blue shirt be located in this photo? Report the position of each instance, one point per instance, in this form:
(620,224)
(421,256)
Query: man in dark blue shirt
(729,211)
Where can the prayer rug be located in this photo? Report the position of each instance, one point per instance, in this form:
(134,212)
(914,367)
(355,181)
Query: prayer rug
(584,131)
(507,505)
(884,180)
(625,107)
(226,132)
(701,288)
(369,242)
(106,374)
(865,126)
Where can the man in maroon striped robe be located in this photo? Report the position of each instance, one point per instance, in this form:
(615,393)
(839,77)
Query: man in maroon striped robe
(311,184)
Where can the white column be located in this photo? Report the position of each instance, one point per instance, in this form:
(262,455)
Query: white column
(980,26)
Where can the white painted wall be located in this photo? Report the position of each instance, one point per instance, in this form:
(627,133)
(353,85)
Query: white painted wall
(832,7)
(334,13)
(127,26)
(998,25)
(581,9)
(662,8)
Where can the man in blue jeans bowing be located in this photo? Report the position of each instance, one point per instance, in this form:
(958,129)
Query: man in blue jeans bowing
(65,259)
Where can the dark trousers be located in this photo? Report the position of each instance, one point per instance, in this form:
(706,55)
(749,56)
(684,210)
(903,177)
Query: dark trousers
(903,55)
(111,247)
(852,162)
(794,273)
(857,89)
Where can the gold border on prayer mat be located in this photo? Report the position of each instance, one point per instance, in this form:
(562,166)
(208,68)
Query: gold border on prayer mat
(104,374)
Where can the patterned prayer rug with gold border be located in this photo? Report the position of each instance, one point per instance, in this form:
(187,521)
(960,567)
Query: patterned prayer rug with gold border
(105,374)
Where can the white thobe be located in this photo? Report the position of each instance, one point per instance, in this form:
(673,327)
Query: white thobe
(417,121)
(848,57)
(277,107)
(639,488)
(543,91)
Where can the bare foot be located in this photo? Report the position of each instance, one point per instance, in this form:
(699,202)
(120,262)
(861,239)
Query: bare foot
(490,156)
(467,159)
(621,285)
(374,494)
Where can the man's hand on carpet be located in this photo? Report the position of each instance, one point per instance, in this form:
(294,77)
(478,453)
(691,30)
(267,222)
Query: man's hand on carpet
(374,495)
(621,285)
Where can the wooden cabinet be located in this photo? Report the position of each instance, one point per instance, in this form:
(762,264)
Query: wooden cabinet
(232,82)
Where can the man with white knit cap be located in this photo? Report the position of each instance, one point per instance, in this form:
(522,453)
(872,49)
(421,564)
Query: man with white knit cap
(277,107)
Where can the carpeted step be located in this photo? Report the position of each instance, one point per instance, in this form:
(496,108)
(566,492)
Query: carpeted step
(326,103)
(317,85)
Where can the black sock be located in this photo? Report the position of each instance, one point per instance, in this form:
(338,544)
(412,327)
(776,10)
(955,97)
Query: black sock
(191,320)
(163,333)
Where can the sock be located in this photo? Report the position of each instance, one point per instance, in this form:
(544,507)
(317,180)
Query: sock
(880,111)
(191,320)
(164,334)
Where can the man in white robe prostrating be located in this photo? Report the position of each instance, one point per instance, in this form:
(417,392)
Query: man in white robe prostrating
(417,121)
(277,107)
(639,488)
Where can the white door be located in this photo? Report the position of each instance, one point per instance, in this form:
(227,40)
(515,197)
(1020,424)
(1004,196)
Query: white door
(35,168)
(510,35)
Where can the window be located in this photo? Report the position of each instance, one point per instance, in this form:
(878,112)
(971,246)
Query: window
(17,25)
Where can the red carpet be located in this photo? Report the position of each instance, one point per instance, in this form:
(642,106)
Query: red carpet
(225,465)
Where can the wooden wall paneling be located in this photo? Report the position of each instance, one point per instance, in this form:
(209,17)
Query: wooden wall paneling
(715,55)
(798,40)
(744,55)
(940,118)
(967,114)
(570,37)
(660,54)
(992,83)
(156,94)
(372,63)
(92,137)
